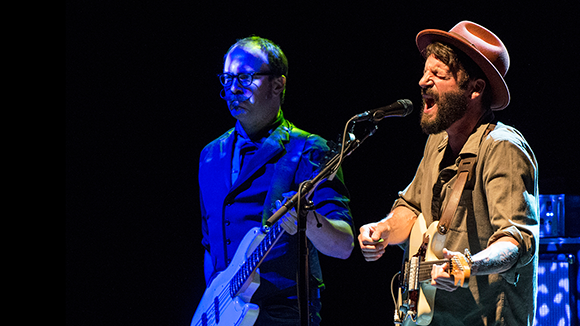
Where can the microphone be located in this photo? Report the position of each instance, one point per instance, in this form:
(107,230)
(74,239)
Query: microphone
(401,108)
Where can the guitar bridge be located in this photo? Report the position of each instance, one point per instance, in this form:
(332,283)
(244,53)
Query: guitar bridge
(409,291)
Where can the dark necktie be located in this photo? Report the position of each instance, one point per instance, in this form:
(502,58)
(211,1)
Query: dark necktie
(245,149)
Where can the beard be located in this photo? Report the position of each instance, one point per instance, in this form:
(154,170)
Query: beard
(451,106)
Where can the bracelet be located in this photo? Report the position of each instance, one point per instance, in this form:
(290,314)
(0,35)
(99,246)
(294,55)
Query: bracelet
(468,257)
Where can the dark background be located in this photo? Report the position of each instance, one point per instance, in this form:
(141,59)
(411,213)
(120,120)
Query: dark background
(142,99)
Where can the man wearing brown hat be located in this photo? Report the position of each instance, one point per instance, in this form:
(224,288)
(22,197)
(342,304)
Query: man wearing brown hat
(469,218)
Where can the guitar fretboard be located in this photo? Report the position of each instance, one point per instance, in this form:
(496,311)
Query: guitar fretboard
(255,259)
(425,267)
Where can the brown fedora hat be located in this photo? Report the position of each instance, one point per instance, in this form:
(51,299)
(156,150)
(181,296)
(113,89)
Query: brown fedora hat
(483,47)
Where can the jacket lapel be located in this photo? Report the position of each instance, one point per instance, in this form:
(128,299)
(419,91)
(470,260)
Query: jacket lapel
(272,146)
(225,152)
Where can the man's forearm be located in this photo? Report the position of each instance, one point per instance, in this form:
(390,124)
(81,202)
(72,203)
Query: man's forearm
(497,258)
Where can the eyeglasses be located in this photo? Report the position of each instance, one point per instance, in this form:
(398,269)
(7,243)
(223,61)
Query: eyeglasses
(245,79)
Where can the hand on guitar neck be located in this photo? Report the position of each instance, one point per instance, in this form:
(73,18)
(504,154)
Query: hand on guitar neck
(497,258)
(452,274)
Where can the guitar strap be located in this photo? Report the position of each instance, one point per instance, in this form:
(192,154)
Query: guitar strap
(284,171)
(464,175)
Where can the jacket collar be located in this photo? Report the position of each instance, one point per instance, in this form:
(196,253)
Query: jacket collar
(271,146)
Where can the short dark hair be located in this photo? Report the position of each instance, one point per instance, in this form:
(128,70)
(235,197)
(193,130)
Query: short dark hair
(458,61)
(277,60)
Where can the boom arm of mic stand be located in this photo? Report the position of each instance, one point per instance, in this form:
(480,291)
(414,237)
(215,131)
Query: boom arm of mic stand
(329,170)
(306,186)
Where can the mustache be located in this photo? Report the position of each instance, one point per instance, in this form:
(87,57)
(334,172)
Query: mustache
(430,92)
(230,97)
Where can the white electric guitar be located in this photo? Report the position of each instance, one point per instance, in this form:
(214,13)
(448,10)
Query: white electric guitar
(226,301)
(416,299)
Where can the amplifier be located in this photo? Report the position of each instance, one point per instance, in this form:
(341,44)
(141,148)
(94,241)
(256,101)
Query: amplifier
(558,282)
(559,216)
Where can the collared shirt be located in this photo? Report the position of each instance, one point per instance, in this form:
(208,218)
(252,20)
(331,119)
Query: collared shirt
(245,147)
(503,200)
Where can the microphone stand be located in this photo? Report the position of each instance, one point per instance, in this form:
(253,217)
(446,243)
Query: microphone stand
(303,205)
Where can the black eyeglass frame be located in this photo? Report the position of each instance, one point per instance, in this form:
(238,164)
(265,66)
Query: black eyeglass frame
(232,76)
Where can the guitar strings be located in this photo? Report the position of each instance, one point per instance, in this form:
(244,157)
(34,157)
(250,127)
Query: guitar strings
(224,298)
(425,268)
(226,295)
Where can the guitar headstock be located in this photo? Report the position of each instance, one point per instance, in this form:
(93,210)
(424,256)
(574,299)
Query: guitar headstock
(460,269)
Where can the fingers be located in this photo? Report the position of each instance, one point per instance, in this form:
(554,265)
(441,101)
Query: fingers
(373,233)
(280,203)
(365,236)
(448,254)
(372,254)
(289,225)
(371,243)
(289,222)
(438,275)
(288,195)
(441,279)
(365,233)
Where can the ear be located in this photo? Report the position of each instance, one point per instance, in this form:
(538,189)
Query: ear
(478,89)
(278,85)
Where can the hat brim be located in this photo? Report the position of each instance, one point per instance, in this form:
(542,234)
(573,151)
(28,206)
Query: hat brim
(499,89)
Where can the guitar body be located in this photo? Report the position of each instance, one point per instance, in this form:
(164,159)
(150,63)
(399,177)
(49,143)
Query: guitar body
(218,306)
(415,306)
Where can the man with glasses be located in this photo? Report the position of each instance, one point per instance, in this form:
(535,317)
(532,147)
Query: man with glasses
(245,174)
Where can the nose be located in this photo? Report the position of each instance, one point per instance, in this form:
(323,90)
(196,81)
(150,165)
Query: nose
(236,87)
(425,80)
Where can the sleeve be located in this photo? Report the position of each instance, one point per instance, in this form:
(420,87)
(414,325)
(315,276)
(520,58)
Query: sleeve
(331,197)
(510,178)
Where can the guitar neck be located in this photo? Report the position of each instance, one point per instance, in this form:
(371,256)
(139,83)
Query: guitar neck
(256,258)
(456,266)
(426,267)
